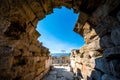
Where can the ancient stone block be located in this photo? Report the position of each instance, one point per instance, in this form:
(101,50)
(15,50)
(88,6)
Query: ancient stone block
(37,59)
(15,30)
(17,52)
(115,34)
(20,61)
(29,76)
(89,34)
(102,65)
(80,23)
(82,49)
(47,7)
(34,49)
(108,77)
(48,63)
(38,9)
(39,70)
(95,45)
(115,68)
(6,62)
(118,16)
(96,75)
(97,14)
(88,62)
(30,28)
(10,74)
(35,21)
(112,53)
(106,42)
(4,24)
(4,7)
(39,76)
(29,13)
(6,51)
(94,54)
(22,46)
(18,71)
(30,64)
(86,29)
(76,5)
(86,71)
(86,55)
(26,53)
(36,34)
(8,43)
(105,26)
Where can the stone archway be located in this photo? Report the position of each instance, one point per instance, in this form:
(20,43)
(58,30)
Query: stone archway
(23,57)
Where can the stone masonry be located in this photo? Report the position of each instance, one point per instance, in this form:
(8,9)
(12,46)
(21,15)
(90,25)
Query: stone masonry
(22,56)
(99,58)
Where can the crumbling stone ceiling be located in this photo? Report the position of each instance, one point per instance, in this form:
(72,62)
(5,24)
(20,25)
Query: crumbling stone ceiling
(30,11)
(26,13)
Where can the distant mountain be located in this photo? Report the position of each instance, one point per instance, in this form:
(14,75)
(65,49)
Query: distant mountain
(59,54)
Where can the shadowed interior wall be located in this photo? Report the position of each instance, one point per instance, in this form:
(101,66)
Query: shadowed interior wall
(22,56)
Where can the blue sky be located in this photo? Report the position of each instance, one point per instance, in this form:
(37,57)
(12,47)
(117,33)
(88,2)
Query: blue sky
(57,31)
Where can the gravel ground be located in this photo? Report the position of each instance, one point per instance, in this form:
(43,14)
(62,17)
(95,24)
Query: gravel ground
(59,73)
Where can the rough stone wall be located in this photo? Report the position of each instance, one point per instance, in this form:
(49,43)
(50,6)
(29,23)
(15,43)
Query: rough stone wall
(22,57)
(99,58)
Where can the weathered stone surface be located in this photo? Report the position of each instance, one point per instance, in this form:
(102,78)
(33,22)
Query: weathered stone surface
(29,13)
(94,54)
(29,76)
(106,42)
(39,76)
(118,16)
(115,68)
(108,77)
(6,62)
(6,51)
(99,14)
(96,75)
(112,52)
(103,11)
(80,23)
(26,58)
(102,65)
(38,9)
(4,24)
(95,45)
(115,35)
(34,48)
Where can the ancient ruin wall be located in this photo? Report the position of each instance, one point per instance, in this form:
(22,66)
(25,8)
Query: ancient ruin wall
(99,58)
(22,57)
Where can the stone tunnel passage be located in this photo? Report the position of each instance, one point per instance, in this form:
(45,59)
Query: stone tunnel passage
(98,23)
(59,73)
(56,32)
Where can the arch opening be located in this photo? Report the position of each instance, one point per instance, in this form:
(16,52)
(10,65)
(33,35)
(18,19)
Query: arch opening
(57,31)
